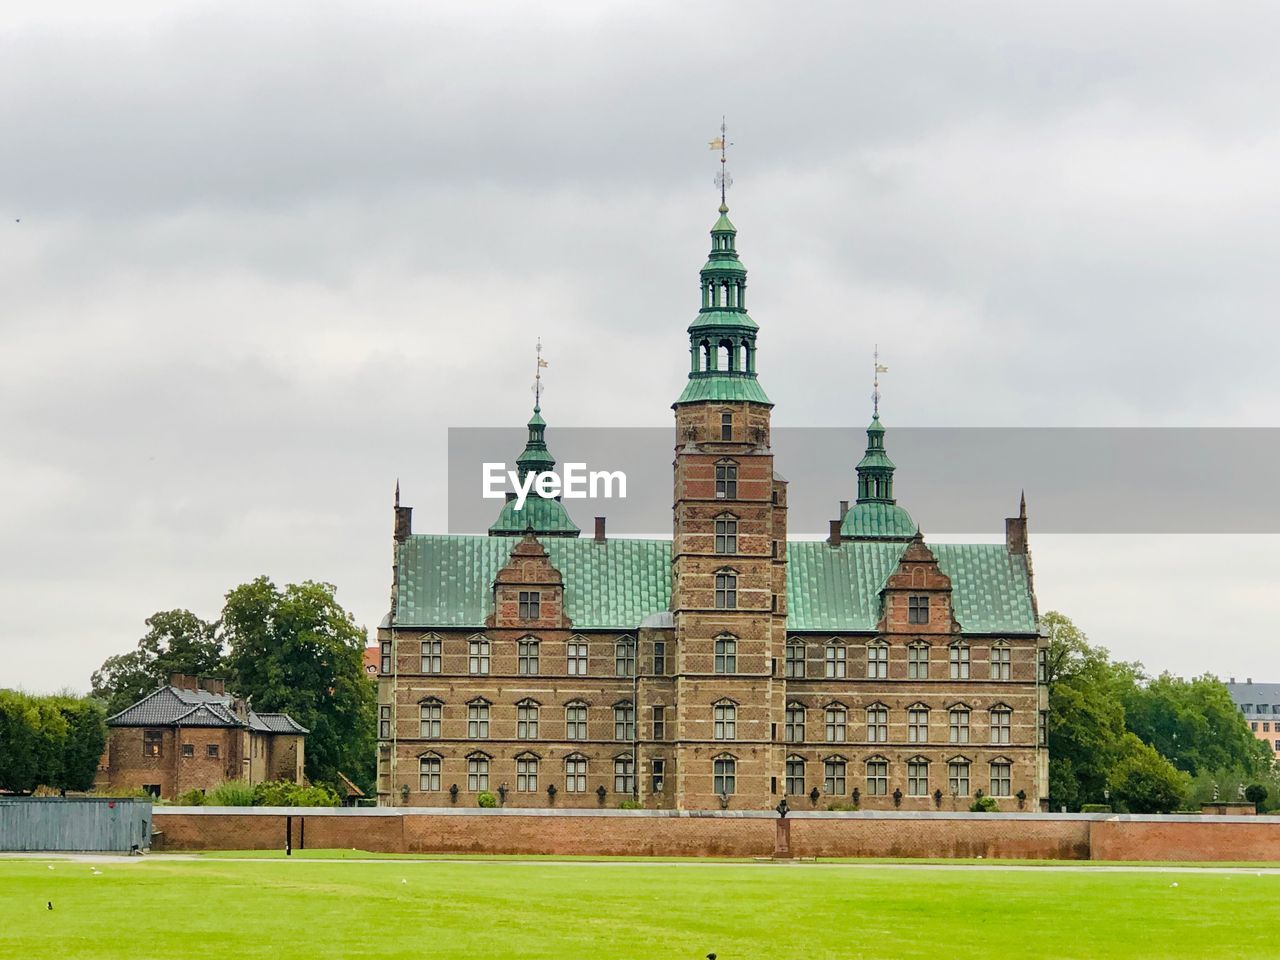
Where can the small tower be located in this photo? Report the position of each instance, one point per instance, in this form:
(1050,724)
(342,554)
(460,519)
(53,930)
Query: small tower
(876,514)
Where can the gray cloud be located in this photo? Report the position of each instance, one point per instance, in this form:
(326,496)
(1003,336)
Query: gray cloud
(268,256)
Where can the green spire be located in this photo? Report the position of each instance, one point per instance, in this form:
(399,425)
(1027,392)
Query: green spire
(876,514)
(722,338)
(535,458)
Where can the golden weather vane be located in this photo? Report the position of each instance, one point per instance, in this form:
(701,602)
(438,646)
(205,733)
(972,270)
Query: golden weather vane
(537,378)
(722,143)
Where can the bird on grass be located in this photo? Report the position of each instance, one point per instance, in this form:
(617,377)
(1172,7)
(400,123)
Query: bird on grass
(50,904)
(711,956)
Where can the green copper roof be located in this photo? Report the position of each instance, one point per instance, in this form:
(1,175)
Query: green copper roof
(543,516)
(447,581)
(875,520)
(722,317)
(723,387)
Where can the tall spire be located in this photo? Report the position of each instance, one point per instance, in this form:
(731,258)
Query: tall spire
(722,338)
(876,514)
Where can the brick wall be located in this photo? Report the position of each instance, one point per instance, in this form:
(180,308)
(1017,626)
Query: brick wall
(617,833)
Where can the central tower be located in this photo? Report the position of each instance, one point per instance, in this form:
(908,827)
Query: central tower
(729,554)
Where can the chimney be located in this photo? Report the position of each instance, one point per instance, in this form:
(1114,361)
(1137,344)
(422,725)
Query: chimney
(600,538)
(834,538)
(210,685)
(183,682)
(844,508)
(1248,680)
(1233,679)
(1015,530)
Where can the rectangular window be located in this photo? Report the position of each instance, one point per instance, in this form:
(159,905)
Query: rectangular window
(477,721)
(877,778)
(432,659)
(658,769)
(659,723)
(877,724)
(726,426)
(527,775)
(959,662)
(726,591)
(833,781)
(527,658)
(1001,779)
(726,536)
(575,776)
(959,729)
(918,662)
(958,774)
(726,660)
(530,604)
(152,743)
(917,778)
(1001,723)
(795,661)
(527,721)
(918,725)
(1001,663)
(211,750)
(726,726)
(795,777)
(624,657)
(1042,666)
(836,660)
(575,722)
(624,722)
(659,658)
(576,654)
(429,720)
(478,658)
(385,649)
(836,719)
(624,780)
(726,481)
(188,749)
(477,774)
(429,774)
(917,609)
(725,779)
(877,661)
(1042,729)
(793,732)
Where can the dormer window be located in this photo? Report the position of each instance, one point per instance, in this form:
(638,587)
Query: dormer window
(917,609)
(530,604)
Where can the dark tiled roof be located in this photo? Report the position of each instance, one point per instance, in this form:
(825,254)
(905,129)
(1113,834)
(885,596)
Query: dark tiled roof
(174,706)
(1262,698)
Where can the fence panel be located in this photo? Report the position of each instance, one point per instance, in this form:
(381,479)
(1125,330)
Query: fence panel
(81,824)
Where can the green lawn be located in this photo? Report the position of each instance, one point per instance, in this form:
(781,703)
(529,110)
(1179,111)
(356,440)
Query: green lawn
(470,910)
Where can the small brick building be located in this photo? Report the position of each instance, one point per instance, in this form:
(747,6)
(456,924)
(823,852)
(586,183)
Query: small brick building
(192,735)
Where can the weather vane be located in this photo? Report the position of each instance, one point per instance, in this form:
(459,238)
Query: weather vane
(724,179)
(875,381)
(537,378)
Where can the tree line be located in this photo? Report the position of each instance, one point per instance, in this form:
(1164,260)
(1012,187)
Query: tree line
(51,741)
(1121,738)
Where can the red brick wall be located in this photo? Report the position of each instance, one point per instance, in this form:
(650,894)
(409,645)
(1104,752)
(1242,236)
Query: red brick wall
(1021,837)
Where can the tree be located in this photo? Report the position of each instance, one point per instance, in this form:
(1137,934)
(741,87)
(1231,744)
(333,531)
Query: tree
(176,641)
(49,741)
(86,737)
(1193,723)
(297,651)
(1145,782)
(19,742)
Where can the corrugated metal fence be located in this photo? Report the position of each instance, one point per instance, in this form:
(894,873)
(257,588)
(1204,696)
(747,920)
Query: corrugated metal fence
(74,823)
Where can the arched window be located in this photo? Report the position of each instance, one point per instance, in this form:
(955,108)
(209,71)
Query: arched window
(958,727)
(795,659)
(877,777)
(837,659)
(429,772)
(726,720)
(959,660)
(837,721)
(877,660)
(724,775)
(726,658)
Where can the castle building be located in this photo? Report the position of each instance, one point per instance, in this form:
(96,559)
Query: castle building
(727,667)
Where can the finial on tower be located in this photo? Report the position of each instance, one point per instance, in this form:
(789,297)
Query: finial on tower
(537,379)
(397,491)
(723,180)
(875,381)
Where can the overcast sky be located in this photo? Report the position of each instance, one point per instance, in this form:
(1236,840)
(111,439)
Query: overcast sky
(255,259)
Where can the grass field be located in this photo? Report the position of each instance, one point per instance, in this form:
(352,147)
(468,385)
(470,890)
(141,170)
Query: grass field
(462,910)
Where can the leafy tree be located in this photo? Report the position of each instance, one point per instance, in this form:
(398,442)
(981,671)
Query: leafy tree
(176,641)
(49,741)
(1256,794)
(1145,782)
(85,739)
(19,742)
(1193,723)
(297,651)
